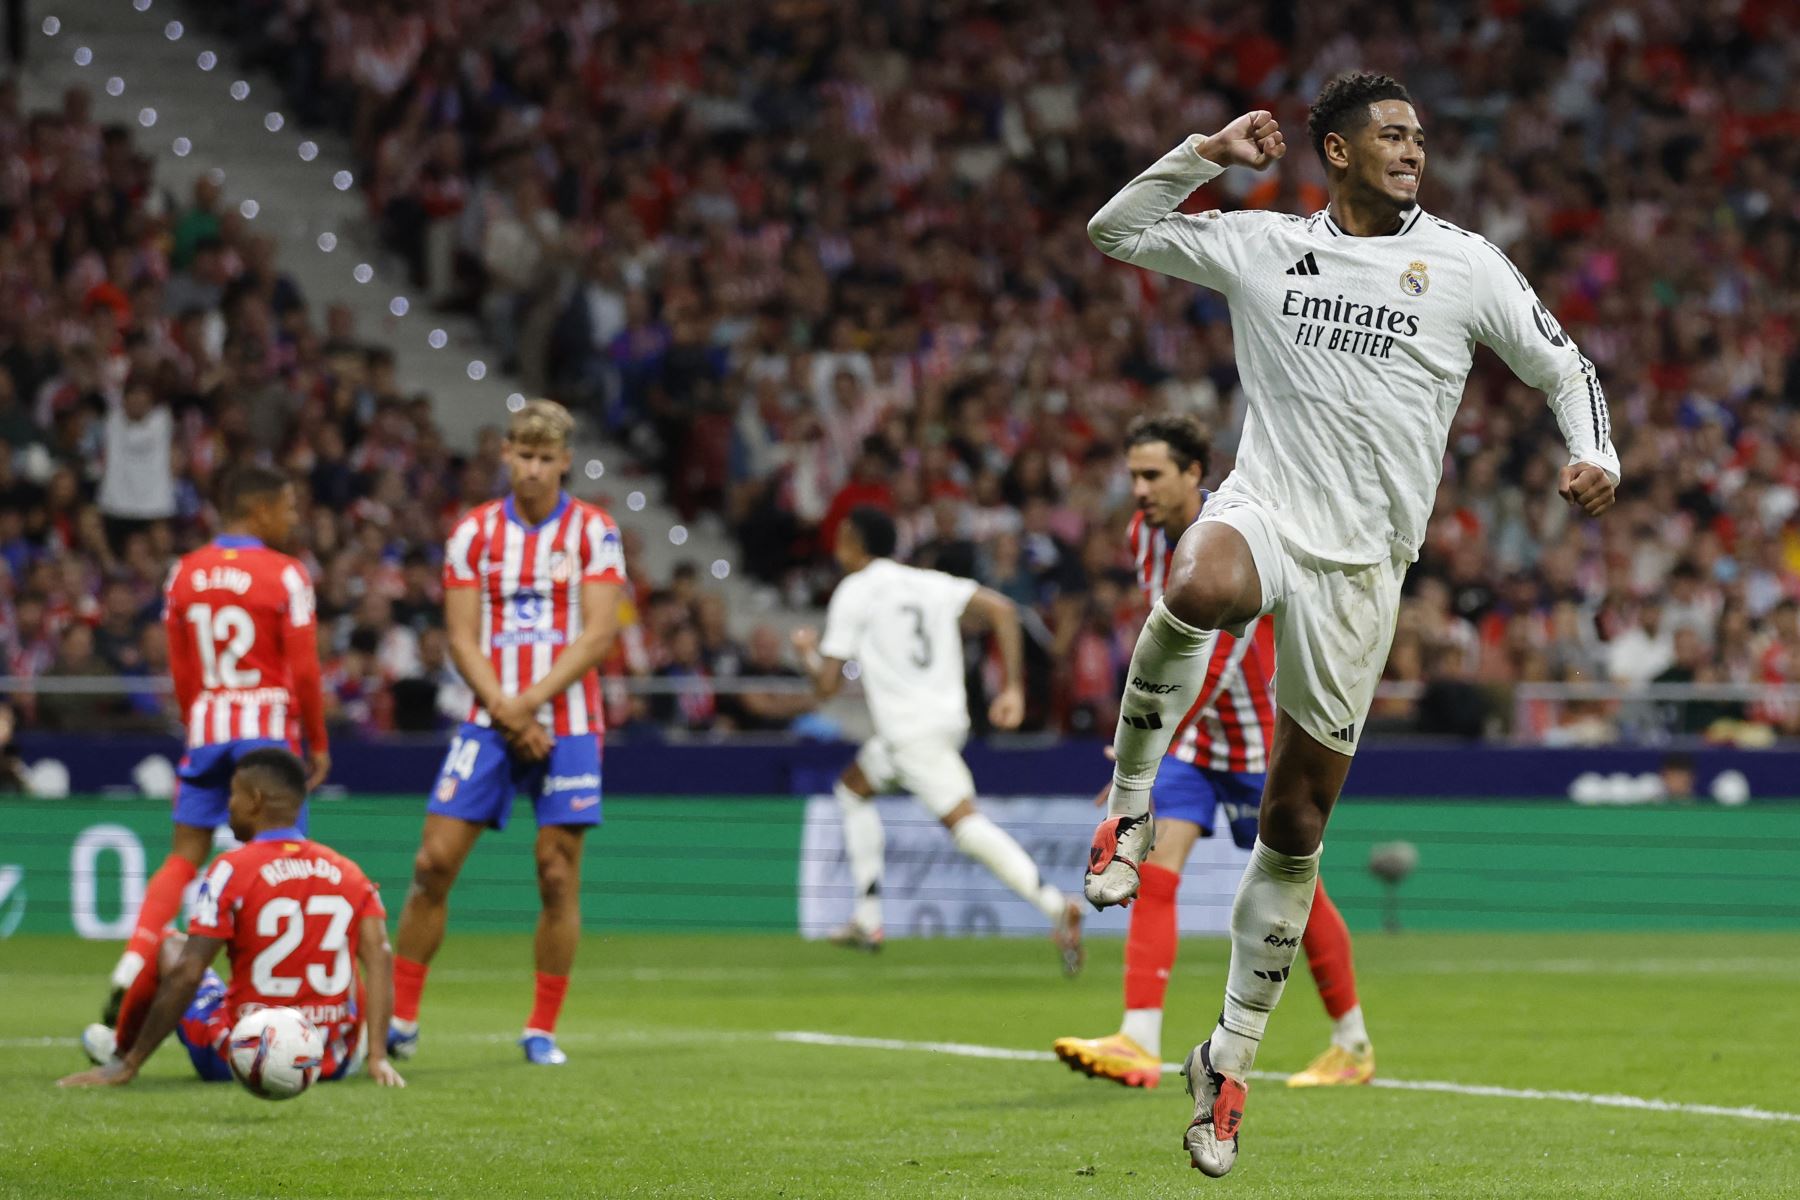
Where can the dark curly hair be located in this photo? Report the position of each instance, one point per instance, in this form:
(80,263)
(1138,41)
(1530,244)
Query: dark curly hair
(1343,104)
(1184,435)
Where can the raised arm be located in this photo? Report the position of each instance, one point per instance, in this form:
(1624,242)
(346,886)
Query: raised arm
(997,613)
(1509,317)
(1140,224)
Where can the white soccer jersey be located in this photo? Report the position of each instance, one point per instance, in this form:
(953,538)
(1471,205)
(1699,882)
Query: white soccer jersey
(1353,353)
(903,627)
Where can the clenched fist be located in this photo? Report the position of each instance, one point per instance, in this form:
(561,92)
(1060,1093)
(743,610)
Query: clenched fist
(1586,487)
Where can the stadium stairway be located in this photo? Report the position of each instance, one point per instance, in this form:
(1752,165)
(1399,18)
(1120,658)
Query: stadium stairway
(143,68)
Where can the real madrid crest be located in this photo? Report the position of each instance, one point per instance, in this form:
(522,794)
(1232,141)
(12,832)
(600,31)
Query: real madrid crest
(1414,280)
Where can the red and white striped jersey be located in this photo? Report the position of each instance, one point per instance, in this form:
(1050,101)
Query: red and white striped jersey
(530,578)
(243,644)
(1232,722)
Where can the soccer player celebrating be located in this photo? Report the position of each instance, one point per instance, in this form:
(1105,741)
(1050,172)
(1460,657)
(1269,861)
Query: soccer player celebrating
(531,595)
(904,626)
(295,916)
(243,654)
(1355,330)
(1215,764)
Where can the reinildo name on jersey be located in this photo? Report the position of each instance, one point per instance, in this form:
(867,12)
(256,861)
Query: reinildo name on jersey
(1334,323)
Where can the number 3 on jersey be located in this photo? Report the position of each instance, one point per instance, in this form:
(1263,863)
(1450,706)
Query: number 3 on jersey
(265,974)
(223,636)
(921,655)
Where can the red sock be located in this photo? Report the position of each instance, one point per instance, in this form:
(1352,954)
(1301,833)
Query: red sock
(1327,945)
(1150,938)
(550,992)
(409,981)
(162,902)
(137,999)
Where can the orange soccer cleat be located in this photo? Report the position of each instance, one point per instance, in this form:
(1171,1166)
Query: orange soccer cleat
(1337,1067)
(1117,1058)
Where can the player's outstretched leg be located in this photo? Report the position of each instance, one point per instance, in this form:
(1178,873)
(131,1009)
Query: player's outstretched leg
(991,846)
(865,845)
(1350,1059)
(558,932)
(443,848)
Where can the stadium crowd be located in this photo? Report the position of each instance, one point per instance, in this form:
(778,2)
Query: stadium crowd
(152,342)
(806,255)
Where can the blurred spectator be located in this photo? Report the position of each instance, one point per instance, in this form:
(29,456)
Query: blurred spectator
(765,657)
(694,706)
(137,484)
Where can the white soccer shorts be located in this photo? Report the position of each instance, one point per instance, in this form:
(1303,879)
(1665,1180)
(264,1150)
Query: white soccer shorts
(930,768)
(1333,624)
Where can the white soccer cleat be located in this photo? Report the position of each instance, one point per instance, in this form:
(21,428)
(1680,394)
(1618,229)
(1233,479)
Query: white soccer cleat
(1212,1136)
(1121,844)
(100,1044)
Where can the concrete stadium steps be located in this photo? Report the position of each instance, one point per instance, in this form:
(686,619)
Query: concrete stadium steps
(298,201)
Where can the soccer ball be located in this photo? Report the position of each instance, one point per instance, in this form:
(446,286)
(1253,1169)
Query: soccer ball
(276,1052)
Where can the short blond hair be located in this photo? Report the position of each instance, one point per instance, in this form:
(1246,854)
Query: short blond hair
(540,423)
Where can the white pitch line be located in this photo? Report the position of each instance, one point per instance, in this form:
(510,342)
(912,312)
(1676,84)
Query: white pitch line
(1641,1103)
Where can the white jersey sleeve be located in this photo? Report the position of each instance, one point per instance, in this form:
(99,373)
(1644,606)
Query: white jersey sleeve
(845,617)
(1140,225)
(1508,316)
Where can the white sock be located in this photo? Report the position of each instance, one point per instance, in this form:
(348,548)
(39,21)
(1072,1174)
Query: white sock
(1167,668)
(1349,1032)
(865,845)
(126,973)
(994,848)
(1267,918)
(402,1025)
(1144,1026)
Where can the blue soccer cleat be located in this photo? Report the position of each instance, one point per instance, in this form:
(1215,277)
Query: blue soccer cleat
(541,1048)
(402,1042)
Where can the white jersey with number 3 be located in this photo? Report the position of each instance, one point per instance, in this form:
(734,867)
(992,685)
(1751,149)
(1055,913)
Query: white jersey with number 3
(903,627)
(1353,352)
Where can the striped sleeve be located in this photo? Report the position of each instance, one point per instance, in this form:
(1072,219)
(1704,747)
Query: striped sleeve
(301,603)
(462,551)
(602,551)
(1509,317)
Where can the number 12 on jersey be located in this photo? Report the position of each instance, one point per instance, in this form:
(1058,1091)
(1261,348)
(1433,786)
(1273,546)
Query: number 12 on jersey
(223,636)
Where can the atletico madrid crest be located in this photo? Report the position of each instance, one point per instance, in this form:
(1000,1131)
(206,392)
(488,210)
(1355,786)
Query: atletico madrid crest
(560,567)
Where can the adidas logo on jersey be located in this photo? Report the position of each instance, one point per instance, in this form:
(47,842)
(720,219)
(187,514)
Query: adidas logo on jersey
(1306,266)
(1346,734)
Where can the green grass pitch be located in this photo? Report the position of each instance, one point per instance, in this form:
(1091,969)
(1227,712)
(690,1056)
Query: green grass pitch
(677,1086)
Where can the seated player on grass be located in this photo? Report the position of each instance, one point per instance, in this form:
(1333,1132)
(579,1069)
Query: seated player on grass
(277,892)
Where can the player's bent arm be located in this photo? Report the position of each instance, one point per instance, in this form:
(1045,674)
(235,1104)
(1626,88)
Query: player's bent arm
(174,993)
(1140,225)
(376,958)
(998,614)
(462,623)
(600,611)
(826,673)
(1508,316)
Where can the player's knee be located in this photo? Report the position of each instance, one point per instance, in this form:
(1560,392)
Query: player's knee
(1207,595)
(557,877)
(1294,824)
(432,875)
